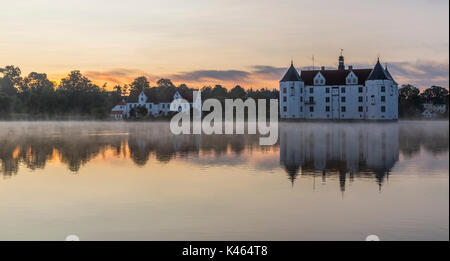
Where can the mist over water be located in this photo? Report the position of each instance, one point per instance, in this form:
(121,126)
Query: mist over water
(320,181)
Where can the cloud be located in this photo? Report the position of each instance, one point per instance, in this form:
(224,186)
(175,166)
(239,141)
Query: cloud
(268,72)
(116,76)
(421,73)
(221,75)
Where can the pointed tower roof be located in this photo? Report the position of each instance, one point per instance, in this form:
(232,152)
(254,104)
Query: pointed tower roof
(291,75)
(386,71)
(378,73)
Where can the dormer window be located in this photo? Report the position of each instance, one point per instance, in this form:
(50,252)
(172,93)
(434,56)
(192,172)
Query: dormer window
(319,80)
(351,78)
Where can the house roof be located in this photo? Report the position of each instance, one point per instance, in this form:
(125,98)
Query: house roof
(335,77)
(161,96)
(116,112)
(291,75)
(378,73)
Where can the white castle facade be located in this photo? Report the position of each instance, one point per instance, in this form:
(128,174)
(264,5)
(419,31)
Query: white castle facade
(342,94)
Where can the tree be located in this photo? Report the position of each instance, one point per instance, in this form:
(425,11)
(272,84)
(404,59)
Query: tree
(237,93)
(5,104)
(409,104)
(37,82)
(436,95)
(219,92)
(75,82)
(118,89)
(142,111)
(164,83)
(183,87)
(78,95)
(139,84)
(37,93)
(10,80)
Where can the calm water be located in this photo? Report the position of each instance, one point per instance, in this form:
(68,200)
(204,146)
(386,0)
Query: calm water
(135,181)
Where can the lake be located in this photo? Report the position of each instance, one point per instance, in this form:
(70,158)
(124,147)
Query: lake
(137,181)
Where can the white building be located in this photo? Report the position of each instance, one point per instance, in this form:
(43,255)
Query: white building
(155,106)
(118,112)
(353,94)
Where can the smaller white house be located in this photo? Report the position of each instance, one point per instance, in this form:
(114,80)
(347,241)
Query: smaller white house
(155,106)
(118,111)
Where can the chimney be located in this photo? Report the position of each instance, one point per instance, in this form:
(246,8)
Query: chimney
(323,68)
(350,67)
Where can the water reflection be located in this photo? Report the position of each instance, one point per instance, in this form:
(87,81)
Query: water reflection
(326,149)
(340,149)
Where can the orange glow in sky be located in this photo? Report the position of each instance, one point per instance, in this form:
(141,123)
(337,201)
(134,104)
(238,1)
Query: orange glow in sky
(223,42)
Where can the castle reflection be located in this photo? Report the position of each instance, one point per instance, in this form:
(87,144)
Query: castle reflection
(344,151)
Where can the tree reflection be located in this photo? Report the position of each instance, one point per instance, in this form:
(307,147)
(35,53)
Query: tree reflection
(345,150)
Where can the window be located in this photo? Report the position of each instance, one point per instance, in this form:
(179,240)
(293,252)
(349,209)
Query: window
(150,106)
(360,99)
(301,90)
(284,99)
(327,90)
(301,108)
(343,109)
(360,108)
(327,108)
(311,99)
(360,89)
(383,98)
(383,89)
(342,99)
(284,90)
(327,99)
(284,108)
(343,89)
(301,99)
(292,87)
(311,109)
(311,90)
(383,109)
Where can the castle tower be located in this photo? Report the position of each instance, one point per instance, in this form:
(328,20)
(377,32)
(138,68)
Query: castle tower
(291,88)
(341,65)
(382,95)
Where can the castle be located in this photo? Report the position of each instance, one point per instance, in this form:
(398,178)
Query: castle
(342,94)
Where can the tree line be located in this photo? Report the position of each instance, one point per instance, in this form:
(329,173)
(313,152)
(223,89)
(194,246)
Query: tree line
(75,96)
(36,97)
(411,101)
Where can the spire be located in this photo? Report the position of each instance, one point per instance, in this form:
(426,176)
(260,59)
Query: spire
(291,75)
(378,73)
(341,61)
(386,71)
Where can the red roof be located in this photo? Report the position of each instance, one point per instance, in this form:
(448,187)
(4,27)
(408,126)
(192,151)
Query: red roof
(116,112)
(335,77)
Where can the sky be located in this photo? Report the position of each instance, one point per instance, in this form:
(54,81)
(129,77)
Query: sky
(228,42)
